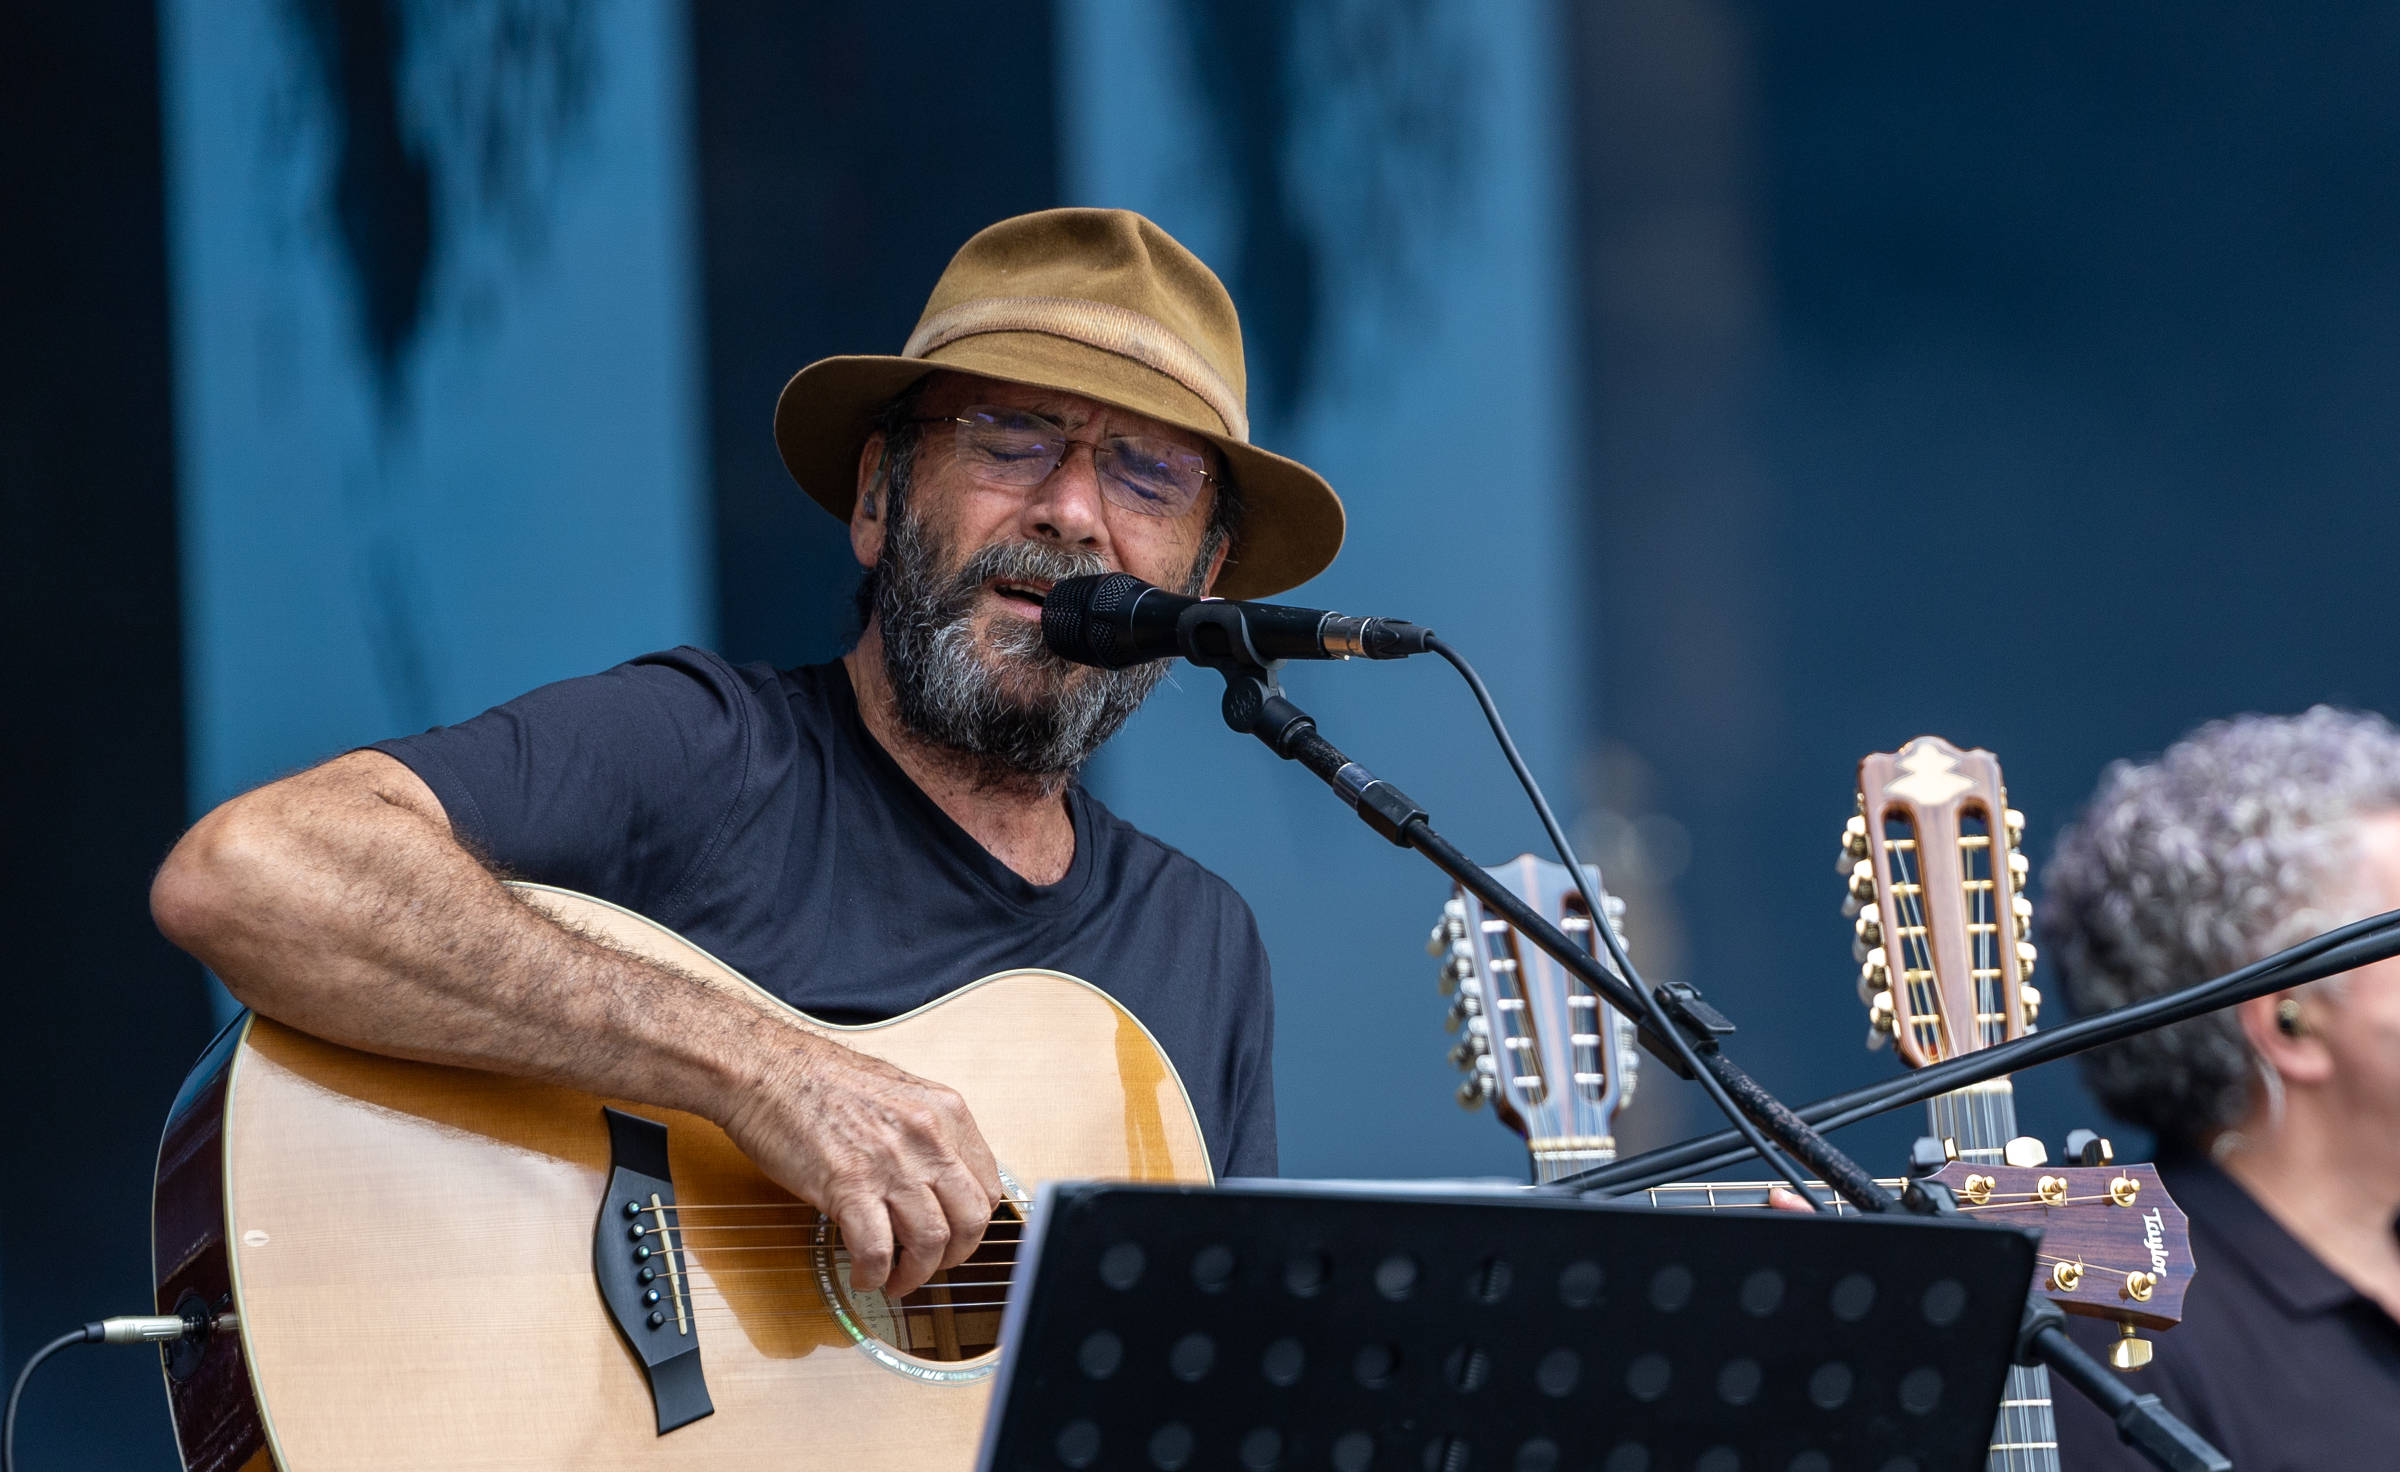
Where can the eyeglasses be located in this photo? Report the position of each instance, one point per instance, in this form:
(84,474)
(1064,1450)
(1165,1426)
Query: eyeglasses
(1014,447)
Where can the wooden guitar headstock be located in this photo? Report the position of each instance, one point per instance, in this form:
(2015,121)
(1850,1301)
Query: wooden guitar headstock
(2114,1244)
(1553,1058)
(1936,884)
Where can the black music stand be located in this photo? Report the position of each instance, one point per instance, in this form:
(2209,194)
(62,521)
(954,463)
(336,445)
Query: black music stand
(1298,1327)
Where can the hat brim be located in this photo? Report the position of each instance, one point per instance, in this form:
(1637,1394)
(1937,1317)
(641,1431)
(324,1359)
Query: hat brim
(1292,522)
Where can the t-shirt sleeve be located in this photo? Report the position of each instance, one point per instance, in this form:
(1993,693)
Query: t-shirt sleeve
(1250,1062)
(621,784)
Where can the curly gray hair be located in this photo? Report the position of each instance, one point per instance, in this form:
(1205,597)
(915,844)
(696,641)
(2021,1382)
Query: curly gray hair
(2237,842)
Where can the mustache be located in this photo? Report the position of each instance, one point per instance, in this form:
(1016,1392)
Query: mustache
(1024,561)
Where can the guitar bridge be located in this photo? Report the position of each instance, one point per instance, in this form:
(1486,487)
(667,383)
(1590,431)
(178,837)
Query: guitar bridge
(638,1260)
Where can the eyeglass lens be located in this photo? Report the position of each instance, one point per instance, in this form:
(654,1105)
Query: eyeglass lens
(1140,473)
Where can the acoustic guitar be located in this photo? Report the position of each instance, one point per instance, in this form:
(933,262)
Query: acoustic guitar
(422,1266)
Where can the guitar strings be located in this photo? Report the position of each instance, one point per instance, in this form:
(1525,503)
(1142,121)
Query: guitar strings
(1985,1115)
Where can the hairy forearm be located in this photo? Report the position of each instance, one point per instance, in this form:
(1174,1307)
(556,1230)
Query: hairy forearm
(339,902)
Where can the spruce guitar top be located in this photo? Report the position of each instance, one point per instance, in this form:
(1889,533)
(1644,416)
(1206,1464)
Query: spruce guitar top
(438,1267)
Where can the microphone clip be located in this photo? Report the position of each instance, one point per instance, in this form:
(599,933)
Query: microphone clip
(1215,635)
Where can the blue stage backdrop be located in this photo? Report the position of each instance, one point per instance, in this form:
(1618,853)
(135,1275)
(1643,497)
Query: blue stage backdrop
(1383,189)
(436,353)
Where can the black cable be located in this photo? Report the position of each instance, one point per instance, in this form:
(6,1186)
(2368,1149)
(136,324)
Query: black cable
(2344,948)
(1664,1025)
(88,1334)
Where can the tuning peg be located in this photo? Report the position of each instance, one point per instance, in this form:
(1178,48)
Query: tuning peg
(2022,908)
(1879,1019)
(1466,1006)
(1862,881)
(2026,956)
(2090,1147)
(2025,1152)
(1473,1050)
(1866,933)
(2014,822)
(1874,973)
(1458,970)
(2020,872)
(1472,1091)
(2131,1352)
(1854,842)
(1451,928)
(2030,997)
(1629,1058)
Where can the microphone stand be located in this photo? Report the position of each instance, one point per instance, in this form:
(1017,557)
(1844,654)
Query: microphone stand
(1255,705)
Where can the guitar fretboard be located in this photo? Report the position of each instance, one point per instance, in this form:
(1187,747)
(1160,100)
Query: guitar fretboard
(1981,1120)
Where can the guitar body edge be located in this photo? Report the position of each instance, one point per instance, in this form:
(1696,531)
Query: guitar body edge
(209,1396)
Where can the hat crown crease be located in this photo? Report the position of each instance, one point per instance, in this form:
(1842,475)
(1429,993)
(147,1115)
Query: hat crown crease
(1121,331)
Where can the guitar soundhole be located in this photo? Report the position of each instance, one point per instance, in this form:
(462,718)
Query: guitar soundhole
(954,1318)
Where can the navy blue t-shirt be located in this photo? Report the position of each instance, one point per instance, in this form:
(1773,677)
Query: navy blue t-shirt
(750,811)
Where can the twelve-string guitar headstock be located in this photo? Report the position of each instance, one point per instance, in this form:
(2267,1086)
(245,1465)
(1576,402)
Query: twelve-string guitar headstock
(1937,886)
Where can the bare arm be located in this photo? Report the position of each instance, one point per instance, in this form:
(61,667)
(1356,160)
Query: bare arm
(339,901)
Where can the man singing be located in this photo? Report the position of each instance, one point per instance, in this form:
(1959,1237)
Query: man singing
(2278,1122)
(858,837)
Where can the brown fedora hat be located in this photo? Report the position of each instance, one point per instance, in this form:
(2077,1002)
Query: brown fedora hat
(1100,303)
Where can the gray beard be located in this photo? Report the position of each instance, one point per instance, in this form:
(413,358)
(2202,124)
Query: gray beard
(1018,713)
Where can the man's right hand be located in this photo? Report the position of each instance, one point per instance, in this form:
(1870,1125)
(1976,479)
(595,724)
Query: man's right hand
(894,1159)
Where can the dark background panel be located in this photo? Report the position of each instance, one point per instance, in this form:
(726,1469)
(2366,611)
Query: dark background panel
(845,151)
(104,1015)
(2024,376)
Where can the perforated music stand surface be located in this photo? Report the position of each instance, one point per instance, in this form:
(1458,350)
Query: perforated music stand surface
(1276,1327)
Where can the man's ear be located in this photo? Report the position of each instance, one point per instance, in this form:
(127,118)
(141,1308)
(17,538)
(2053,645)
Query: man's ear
(2298,1053)
(866,513)
(1215,567)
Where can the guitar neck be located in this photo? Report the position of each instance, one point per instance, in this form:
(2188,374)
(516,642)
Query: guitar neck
(1980,1121)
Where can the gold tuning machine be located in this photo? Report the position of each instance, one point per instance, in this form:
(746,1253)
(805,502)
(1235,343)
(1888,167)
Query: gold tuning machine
(2130,1352)
(1879,1018)
(1868,932)
(1862,884)
(2066,1276)
(1875,972)
(2030,997)
(2022,908)
(2026,956)
(2020,872)
(2014,822)
(1854,842)
(2140,1285)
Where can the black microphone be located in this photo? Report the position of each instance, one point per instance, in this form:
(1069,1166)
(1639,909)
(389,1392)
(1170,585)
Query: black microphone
(1114,619)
